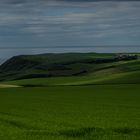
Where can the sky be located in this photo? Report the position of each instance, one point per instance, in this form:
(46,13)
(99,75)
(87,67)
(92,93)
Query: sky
(49,23)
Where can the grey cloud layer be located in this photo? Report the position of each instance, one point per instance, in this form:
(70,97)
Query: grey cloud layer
(14,2)
(57,22)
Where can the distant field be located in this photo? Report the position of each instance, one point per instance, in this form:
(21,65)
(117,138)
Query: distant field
(103,112)
(67,65)
(120,72)
(99,78)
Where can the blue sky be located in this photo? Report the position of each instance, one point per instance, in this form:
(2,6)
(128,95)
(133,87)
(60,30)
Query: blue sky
(46,23)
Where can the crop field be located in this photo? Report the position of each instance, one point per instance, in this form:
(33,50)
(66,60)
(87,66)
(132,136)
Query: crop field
(70,96)
(89,112)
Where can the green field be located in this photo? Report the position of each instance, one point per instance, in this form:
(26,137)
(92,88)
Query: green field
(100,104)
(70,112)
(69,69)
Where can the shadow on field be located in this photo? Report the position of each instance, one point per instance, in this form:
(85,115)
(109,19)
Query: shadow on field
(92,132)
(99,132)
(82,132)
(19,124)
(127,130)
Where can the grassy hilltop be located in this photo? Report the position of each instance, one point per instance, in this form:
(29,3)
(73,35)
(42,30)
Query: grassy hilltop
(74,96)
(49,65)
(71,69)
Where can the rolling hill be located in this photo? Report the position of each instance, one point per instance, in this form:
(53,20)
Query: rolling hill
(48,65)
(70,69)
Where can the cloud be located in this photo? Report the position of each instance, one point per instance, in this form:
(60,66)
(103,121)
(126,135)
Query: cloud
(61,21)
(94,0)
(85,1)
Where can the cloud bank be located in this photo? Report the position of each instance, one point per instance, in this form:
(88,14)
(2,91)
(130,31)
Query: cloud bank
(69,22)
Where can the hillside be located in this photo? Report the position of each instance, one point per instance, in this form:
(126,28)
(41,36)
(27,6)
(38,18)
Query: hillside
(48,65)
(70,69)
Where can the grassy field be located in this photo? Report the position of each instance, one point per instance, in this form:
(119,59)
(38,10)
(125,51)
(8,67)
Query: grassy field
(49,65)
(70,97)
(121,72)
(66,65)
(100,112)
(91,79)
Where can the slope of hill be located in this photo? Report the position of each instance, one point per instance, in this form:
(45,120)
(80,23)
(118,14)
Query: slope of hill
(69,69)
(49,65)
